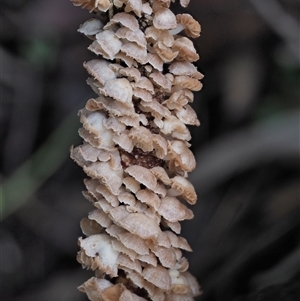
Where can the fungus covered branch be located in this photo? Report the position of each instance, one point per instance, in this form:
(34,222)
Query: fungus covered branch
(135,150)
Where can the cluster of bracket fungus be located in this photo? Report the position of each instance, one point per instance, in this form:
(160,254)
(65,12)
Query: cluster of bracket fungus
(136,152)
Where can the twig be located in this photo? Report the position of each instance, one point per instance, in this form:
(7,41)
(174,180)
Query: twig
(245,148)
(17,189)
(281,22)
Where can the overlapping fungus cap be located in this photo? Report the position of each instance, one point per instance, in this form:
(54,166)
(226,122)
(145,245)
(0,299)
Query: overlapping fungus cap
(91,27)
(136,151)
(191,26)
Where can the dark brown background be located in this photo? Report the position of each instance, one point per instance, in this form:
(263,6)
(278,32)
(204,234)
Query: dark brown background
(245,234)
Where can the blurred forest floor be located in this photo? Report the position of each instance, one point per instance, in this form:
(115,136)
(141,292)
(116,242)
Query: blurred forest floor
(245,234)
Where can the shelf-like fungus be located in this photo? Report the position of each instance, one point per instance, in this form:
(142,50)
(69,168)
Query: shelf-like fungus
(135,150)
